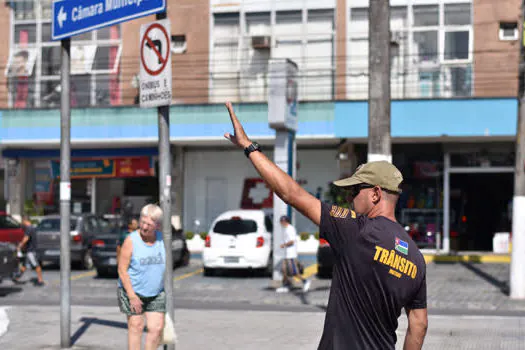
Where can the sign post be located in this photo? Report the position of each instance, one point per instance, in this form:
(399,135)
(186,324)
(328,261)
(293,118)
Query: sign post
(282,117)
(155,91)
(72,18)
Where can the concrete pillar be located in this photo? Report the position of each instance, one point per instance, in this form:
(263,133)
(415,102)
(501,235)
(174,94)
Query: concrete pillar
(17,175)
(177,189)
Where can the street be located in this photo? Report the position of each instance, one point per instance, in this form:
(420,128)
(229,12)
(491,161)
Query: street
(468,309)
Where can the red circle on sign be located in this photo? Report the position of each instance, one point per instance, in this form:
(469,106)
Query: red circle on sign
(164,59)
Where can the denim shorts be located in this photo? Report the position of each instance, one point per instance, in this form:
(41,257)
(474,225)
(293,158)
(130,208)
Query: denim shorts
(156,303)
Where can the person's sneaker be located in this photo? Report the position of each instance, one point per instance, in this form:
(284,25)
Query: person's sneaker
(39,284)
(283,290)
(306,286)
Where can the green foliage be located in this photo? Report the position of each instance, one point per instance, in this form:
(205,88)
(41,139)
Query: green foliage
(203,235)
(337,196)
(189,235)
(316,235)
(304,236)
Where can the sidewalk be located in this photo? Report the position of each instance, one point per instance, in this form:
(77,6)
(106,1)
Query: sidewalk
(104,328)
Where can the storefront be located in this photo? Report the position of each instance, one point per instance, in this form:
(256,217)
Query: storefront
(103,181)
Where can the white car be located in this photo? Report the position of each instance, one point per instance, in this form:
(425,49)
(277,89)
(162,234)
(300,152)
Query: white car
(239,239)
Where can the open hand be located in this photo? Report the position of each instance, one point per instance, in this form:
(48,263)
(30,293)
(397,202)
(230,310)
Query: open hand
(239,137)
(136,304)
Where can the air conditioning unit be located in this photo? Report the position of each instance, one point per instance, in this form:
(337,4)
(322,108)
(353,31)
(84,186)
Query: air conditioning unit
(261,42)
(395,39)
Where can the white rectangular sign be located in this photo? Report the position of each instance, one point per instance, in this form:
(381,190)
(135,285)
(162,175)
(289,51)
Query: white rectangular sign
(282,94)
(155,64)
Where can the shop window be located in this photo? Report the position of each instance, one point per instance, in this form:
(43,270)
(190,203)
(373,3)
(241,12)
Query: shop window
(426,46)
(51,61)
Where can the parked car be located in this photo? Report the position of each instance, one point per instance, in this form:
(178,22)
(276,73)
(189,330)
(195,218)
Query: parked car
(325,259)
(8,260)
(83,227)
(239,239)
(10,230)
(104,251)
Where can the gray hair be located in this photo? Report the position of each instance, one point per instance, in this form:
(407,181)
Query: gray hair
(152,211)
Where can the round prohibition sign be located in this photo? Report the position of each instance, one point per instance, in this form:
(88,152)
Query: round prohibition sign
(147,39)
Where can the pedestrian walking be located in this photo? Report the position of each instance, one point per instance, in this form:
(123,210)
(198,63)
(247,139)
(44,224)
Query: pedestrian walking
(28,244)
(290,263)
(378,269)
(141,267)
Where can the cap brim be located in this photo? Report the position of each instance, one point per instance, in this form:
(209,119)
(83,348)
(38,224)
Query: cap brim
(349,181)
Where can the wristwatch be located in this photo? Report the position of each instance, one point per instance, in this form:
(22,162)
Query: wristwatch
(252,148)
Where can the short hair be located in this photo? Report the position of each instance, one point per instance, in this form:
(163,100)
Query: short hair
(285,218)
(152,211)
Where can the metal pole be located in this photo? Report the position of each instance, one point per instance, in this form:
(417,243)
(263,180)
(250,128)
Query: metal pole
(379,144)
(446,204)
(65,198)
(94,195)
(517,278)
(165,199)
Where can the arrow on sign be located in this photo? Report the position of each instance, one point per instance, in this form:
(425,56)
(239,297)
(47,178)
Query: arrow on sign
(62,16)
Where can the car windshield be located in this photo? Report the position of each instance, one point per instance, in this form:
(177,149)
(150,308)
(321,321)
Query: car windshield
(235,226)
(54,225)
(8,222)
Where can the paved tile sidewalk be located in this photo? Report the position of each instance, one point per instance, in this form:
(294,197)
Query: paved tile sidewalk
(103,328)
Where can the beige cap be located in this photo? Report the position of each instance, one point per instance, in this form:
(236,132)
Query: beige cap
(380,173)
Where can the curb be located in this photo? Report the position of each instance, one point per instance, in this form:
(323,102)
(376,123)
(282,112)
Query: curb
(4,321)
(474,258)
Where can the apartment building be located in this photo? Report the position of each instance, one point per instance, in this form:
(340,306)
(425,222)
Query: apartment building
(453,84)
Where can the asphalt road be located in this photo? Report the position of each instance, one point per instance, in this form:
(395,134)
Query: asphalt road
(453,289)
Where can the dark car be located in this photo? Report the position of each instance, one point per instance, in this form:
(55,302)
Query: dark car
(325,259)
(83,227)
(104,250)
(8,260)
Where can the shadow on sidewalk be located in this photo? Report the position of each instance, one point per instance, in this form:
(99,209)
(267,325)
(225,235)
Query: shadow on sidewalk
(503,286)
(88,321)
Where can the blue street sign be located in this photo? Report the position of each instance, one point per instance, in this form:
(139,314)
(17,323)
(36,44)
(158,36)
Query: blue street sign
(72,17)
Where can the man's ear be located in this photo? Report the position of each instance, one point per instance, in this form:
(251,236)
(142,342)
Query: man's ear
(376,195)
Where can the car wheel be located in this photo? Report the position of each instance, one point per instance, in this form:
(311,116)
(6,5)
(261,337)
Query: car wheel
(185,259)
(102,273)
(87,260)
(209,272)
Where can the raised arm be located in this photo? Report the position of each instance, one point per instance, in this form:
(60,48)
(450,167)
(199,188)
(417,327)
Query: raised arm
(281,183)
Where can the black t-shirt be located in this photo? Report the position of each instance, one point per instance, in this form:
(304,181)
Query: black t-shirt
(31,243)
(378,271)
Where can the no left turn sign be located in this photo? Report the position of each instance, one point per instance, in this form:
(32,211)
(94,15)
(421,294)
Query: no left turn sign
(155,64)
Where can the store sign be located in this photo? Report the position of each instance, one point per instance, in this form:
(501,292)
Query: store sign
(256,194)
(135,167)
(107,168)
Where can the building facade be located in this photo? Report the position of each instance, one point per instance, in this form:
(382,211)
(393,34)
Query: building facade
(453,82)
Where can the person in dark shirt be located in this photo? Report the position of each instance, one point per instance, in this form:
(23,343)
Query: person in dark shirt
(29,242)
(378,269)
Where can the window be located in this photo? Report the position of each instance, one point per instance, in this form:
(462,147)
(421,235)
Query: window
(8,222)
(178,43)
(54,224)
(430,51)
(224,72)
(235,226)
(508,31)
(93,54)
